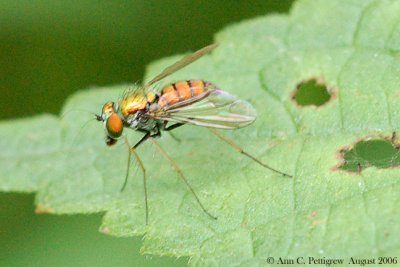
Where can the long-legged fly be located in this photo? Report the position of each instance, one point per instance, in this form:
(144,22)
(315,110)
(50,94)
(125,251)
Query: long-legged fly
(195,102)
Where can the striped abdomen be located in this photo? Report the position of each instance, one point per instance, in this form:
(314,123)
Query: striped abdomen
(181,91)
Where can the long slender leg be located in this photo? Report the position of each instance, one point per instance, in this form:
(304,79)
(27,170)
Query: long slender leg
(147,136)
(144,138)
(240,150)
(133,151)
(128,166)
(179,171)
(171,127)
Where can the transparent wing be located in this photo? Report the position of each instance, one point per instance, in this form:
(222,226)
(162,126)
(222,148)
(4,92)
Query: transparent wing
(139,91)
(181,64)
(214,108)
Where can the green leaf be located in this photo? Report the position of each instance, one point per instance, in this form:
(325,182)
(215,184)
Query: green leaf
(352,46)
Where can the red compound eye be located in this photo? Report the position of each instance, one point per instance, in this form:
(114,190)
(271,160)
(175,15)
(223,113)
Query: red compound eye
(114,125)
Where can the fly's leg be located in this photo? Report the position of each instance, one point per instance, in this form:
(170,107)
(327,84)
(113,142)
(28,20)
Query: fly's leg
(171,127)
(131,150)
(240,150)
(144,138)
(128,166)
(180,173)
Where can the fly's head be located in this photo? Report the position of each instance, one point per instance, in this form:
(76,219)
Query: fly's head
(113,124)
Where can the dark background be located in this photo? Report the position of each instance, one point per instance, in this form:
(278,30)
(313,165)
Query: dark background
(48,50)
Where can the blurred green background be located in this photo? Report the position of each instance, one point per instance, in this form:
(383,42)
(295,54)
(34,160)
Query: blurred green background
(51,48)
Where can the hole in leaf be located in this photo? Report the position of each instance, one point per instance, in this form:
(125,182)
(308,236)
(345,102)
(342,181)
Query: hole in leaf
(311,92)
(379,153)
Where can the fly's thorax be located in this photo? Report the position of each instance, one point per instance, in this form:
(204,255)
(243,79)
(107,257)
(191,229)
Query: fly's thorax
(134,107)
(131,104)
(182,90)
